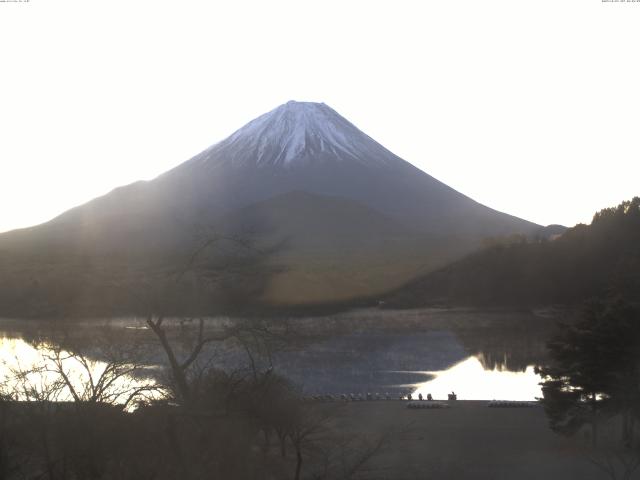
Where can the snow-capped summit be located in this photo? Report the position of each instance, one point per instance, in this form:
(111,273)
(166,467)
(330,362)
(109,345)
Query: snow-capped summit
(298,133)
(336,215)
(309,147)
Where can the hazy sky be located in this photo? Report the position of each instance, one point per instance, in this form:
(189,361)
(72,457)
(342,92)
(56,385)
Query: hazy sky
(530,107)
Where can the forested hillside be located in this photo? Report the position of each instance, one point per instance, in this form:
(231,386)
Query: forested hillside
(585,261)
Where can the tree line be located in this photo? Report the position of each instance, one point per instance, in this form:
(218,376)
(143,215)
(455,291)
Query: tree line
(586,261)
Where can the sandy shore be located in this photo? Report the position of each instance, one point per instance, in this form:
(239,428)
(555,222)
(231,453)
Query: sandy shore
(467,440)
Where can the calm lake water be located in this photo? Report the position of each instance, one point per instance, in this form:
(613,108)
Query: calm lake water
(436,362)
(480,356)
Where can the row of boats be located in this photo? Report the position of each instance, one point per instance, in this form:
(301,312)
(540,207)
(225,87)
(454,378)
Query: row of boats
(420,403)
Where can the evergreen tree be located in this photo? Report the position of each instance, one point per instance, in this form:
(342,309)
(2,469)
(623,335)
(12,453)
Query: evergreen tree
(595,370)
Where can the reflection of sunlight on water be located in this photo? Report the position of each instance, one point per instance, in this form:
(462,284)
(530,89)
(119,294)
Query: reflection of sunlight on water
(16,354)
(18,357)
(471,381)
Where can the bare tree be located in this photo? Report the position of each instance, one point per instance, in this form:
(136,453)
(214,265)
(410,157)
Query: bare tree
(180,367)
(100,369)
(201,272)
(261,340)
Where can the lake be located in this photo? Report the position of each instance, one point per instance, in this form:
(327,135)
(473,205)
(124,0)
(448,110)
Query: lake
(479,355)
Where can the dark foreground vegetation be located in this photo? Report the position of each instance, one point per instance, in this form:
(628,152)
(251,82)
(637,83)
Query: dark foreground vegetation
(593,380)
(102,413)
(586,261)
(257,429)
(93,410)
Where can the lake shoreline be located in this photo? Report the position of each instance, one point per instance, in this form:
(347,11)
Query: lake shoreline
(469,440)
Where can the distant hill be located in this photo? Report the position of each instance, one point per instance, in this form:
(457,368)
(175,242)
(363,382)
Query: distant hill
(585,261)
(332,214)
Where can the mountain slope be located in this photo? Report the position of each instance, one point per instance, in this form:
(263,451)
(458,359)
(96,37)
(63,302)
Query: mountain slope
(310,147)
(358,219)
(331,248)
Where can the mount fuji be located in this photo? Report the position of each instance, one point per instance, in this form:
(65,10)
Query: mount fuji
(341,216)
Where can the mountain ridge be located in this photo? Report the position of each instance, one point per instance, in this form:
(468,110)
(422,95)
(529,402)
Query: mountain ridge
(352,188)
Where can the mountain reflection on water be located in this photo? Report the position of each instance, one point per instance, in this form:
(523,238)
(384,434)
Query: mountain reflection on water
(478,358)
(477,364)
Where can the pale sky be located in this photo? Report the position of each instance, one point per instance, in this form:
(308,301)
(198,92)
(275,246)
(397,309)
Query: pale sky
(530,107)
